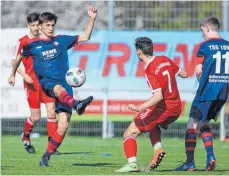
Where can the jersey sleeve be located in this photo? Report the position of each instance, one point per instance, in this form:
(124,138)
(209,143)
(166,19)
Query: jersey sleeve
(176,69)
(200,55)
(25,51)
(70,41)
(153,82)
(17,49)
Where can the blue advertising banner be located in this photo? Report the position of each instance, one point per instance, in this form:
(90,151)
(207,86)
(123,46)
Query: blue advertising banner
(109,58)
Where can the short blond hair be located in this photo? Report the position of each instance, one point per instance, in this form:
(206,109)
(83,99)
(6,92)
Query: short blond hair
(213,22)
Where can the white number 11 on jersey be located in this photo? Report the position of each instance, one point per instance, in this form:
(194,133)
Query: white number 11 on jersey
(218,58)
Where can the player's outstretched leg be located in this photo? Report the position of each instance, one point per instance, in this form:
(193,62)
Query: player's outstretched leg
(25,137)
(159,153)
(82,104)
(206,135)
(190,144)
(79,105)
(130,149)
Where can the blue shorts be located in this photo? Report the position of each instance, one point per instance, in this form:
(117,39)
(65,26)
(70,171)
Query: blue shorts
(48,85)
(206,110)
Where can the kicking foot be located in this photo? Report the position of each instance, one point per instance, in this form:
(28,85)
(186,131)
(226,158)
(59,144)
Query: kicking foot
(27,145)
(211,163)
(44,161)
(56,152)
(130,167)
(82,104)
(157,158)
(186,167)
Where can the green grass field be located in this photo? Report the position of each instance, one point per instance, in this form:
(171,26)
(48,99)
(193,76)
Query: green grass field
(86,117)
(99,117)
(95,156)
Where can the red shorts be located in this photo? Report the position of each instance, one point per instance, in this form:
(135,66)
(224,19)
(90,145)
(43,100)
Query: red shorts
(36,96)
(159,115)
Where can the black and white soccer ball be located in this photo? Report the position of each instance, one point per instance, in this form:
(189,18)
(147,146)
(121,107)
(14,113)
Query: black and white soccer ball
(75,77)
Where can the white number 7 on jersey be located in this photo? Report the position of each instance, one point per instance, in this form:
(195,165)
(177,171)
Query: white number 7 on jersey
(169,80)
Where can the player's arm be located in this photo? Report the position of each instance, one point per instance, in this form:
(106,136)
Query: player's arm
(15,65)
(199,71)
(155,86)
(199,67)
(92,11)
(155,99)
(183,74)
(25,76)
(178,71)
(17,51)
(199,61)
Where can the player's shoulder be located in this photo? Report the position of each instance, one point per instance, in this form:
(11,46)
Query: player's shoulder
(24,40)
(213,41)
(162,59)
(31,42)
(156,61)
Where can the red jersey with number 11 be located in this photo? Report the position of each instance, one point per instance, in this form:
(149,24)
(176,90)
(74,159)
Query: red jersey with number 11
(160,74)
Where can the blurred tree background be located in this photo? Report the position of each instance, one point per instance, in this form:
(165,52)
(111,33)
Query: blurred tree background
(141,15)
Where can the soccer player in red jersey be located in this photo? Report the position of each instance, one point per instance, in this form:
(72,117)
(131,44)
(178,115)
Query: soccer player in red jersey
(162,109)
(35,95)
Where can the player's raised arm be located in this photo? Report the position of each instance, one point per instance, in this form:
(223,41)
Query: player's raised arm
(15,65)
(92,11)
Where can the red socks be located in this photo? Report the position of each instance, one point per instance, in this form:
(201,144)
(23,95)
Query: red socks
(65,98)
(28,129)
(130,148)
(51,127)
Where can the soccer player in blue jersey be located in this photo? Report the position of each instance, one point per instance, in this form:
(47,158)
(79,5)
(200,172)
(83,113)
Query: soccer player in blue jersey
(212,71)
(50,65)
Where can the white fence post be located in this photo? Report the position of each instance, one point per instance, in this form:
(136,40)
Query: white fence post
(105,113)
(222,127)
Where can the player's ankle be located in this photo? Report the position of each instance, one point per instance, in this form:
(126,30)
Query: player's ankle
(132,159)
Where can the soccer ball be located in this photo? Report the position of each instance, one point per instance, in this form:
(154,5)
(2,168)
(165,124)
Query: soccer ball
(75,77)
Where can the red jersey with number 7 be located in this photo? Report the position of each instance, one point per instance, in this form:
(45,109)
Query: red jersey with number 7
(160,74)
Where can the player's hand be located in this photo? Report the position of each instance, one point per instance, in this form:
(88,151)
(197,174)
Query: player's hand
(11,80)
(133,107)
(92,11)
(28,79)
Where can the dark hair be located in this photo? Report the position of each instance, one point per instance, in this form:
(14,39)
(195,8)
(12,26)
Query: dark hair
(32,17)
(213,22)
(144,44)
(47,16)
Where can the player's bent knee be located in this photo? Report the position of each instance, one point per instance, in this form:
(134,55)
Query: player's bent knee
(192,123)
(51,116)
(58,89)
(131,133)
(35,118)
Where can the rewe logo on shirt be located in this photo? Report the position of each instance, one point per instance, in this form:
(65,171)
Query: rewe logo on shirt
(49,53)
